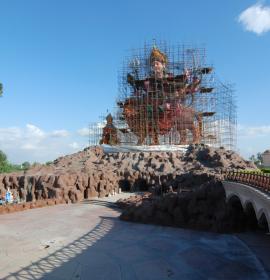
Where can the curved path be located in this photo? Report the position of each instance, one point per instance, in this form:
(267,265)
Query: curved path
(88,241)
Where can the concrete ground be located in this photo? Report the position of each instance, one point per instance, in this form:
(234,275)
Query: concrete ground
(88,241)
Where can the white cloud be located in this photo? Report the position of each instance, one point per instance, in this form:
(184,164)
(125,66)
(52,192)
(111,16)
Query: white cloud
(256,19)
(253,139)
(34,131)
(74,145)
(31,143)
(60,133)
(101,124)
(83,131)
(254,131)
(93,129)
(29,146)
(11,133)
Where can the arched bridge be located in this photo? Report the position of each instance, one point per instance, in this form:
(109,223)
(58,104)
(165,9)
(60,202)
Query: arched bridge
(253,191)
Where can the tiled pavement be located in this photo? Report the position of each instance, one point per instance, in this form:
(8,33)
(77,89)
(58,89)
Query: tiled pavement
(88,241)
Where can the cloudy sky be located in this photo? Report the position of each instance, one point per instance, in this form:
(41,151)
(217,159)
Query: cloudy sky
(59,62)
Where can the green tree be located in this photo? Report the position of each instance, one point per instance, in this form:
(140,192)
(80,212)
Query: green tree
(252,158)
(3,157)
(1,89)
(26,165)
(5,166)
(259,157)
(256,159)
(35,164)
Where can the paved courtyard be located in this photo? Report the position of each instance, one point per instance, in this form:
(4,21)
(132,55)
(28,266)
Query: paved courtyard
(88,241)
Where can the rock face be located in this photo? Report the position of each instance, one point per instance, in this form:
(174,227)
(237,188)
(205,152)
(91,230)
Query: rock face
(92,173)
(10,208)
(203,209)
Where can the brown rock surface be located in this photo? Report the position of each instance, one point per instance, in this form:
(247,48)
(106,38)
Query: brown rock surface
(91,173)
(203,209)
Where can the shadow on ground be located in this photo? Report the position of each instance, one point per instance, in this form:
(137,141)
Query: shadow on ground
(104,203)
(120,250)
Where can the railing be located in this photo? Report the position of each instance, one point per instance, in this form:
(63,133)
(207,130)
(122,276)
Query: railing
(258,180)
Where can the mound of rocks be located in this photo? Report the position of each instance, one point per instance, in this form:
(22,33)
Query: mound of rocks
(202,209)
(92,173)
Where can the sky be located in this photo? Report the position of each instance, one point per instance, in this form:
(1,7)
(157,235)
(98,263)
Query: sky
(59,63)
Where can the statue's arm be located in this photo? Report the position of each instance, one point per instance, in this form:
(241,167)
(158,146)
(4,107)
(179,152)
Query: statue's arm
(130,79)
(138,84)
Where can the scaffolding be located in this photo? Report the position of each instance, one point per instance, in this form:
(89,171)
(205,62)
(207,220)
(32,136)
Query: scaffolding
(169,95)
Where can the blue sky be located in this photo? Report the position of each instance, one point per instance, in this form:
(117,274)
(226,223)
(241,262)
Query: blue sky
(59,61)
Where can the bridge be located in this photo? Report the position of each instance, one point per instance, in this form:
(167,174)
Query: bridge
(252,190)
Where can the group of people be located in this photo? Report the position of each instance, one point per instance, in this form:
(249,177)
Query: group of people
(8,197)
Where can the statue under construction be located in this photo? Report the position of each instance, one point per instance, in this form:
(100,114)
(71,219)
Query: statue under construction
(170,96)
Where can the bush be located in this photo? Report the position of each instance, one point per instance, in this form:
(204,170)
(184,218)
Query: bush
(7,167)
(265,170)
(260,171)
(3,157)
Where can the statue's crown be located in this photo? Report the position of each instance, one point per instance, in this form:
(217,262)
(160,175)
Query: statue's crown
(157,55)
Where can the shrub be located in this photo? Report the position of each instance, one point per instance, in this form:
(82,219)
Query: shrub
(265,170)
(5,166)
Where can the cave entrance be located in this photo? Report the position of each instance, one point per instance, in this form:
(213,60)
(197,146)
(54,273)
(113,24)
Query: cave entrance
(140,185)
(125,185)
(85,193)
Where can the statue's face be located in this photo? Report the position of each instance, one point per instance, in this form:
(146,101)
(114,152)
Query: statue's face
(158,68)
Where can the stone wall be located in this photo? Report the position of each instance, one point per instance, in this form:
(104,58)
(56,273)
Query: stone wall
(67,187)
